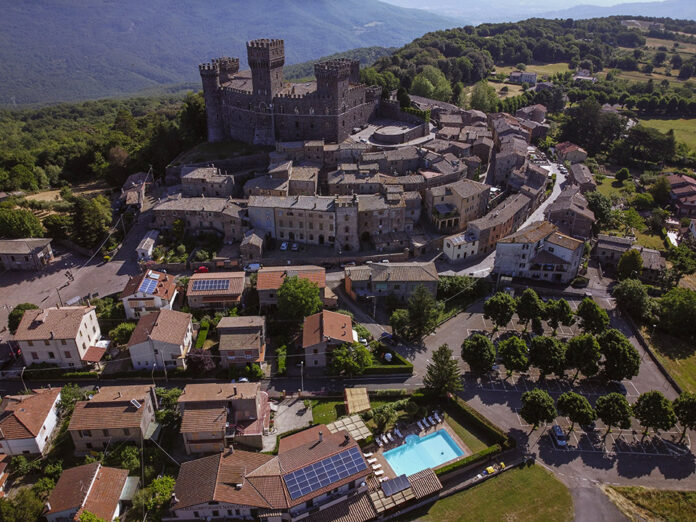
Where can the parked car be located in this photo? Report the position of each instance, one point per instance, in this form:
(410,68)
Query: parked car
(387,338)
(202,270)
(295,247)
(363,341)
(284,245)
(253,267)
(558,436)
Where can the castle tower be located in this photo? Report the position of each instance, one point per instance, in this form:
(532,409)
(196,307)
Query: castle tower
(266,59)
(228,68)
(210,77)
(333,78)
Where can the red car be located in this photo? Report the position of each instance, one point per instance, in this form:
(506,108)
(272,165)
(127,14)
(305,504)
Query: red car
(202,270)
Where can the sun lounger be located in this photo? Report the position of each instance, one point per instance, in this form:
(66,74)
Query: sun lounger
(425,422)
(432,421)
(420,426)
(383,479)
(437,417)
(376,466)
(390,437)
(384,438)
(367,455)
(378,473)
(379,442)
(398,433)
(371,461)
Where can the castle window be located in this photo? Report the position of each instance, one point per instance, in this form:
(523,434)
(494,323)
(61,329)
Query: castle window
(297,124)
(311,110)
(297,111)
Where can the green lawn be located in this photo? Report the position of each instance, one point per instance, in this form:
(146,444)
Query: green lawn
(541,70)
(521,494)
(609,187)
(677,356)
(468,436)
(684,129)
(662,504)
(327,411)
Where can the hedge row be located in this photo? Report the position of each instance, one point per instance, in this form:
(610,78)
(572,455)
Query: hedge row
(422,114)
(471,459)
(457,406)
(388,369)
(202,336)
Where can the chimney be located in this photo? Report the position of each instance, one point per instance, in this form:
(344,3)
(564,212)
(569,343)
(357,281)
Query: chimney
(346,439)
(119,395)
(234,390)
(174,498)
(321,436)
(48,506)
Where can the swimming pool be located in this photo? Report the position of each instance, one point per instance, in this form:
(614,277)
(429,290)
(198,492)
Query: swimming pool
(418,453)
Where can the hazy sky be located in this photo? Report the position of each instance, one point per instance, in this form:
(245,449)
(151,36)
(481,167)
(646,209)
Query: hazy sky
(550,5)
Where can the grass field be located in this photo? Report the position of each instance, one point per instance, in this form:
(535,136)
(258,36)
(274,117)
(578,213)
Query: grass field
(684,48)
(326,411)
(684,129)
(519,495)
(677,356)
(610,187)
(86,189)
(468,436)
(658,504)
(541,70)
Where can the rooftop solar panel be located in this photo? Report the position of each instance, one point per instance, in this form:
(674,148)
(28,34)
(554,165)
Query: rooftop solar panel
(147,286)
(392,486)
(211,284)
(323,473)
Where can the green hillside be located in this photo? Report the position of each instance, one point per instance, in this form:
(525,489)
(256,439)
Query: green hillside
(365,55)
(61,50)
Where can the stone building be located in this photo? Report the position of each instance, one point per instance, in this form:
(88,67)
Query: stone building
(571,214)
(609,250)
(25,254)
(383,279)
(258,106)
(450,207)
(580,175)
(499,222)
(251,247)
(206,181)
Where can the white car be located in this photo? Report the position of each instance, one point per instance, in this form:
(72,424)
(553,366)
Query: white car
(284,245)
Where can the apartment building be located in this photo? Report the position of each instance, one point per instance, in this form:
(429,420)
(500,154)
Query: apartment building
(242,340)
(27,421)
(161,339)
(383,279)
(571,214)
(148,292)
(500,222)
(450,207)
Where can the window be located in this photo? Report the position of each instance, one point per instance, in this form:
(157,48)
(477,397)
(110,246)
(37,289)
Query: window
(30,343)
(316,351)
(51,355)
(62,341)
(47,342)
(34,355)
(196,515)
(86,433)
(67,354)
(316,363)
(216,513)
(106,433)
(89,445)
(126,431)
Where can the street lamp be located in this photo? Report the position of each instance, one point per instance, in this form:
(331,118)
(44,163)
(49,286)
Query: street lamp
(301,376)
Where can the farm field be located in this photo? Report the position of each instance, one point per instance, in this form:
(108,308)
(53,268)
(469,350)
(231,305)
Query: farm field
(546,69)
(86,189)
(684,129)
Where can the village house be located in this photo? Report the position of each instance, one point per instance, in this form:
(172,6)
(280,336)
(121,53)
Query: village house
(383,279)
(270,278)
(147,245)
(112,415)
(92,488)
(523,77)
(653,264)
(67,336)
(570,152)
(683,194)
(536,112)
(539,251)
(322,332)
(580,175)
(206,181)
(251,247)
(512,154)
(499,222)
(161,340)
(213,415)
(460,246)
(148,292)
(609,250)
(133,190)
(571,214)
(215,290)
(242,340)
(27,421)
(450,207)
(25,254)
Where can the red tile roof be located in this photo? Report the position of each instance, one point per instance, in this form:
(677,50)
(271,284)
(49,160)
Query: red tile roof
(111,407)
(327,324)
(72,488)
(271,278)
(165,288)
(51,323)
(104,496)
(94,354)
(236,287)
(167,326)
(23,415)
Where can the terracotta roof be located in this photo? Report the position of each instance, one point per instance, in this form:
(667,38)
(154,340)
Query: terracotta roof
(166,326)
(209,392)
(564,241)
(357,508)
(94,354)
(301,437)
(111,407)
(166,285)
(72,487)
(531,233)
(23,415)
(424,483)
(406,272)
(198,417)
(51,323)
(271,278)
(236,283)
(104,496)
(327,324)
(566,146)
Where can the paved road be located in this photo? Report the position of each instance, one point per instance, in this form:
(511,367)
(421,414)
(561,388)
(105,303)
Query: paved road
(483,267)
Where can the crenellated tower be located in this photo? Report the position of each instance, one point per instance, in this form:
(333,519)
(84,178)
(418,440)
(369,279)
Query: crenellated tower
(210,77)
(228,68)
(266,59)
(334,77)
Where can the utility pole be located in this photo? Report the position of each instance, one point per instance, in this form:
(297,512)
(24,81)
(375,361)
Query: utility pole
(301,376)
(21,376)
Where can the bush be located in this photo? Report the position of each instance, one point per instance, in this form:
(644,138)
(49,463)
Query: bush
(202,334)
(282,355)
(466,415)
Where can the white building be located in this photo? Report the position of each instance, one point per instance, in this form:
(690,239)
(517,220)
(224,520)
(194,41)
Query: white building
(539,251)
(147,245)
(460,246)
(148,292)
(161,339)
(27,421)
(66,336)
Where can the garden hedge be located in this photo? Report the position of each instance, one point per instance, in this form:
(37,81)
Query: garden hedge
(471,459)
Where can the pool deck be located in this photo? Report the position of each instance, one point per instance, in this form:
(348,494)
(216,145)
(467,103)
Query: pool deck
(412,429)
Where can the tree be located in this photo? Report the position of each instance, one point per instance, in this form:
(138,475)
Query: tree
(593,318)
(632,297)
(423,312)
(514,354)
(155,497)
(614,410)
(442,375)
(622,174)
(18,224)
(298,298)
(630,264)
(479,353)
(661,190)
(600,205)
(529,306)
(577,408)
(199,361)
(122,333)
(685,410)
(88,516)
(91,219)
(350,359)
(483,97)
(58,226)
(384,416)
(621,359)
(432,83)
(26,506)
(16,315)
(558,311)
(548,355)
(583,353)
(677,308)
(500,309)
(400,323)
(654,410)
(643,201)
(537,407)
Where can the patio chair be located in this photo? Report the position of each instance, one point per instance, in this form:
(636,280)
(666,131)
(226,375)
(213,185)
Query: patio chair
(420,426)
(371,461)
(437,417)
(432,421)
(379,442)
(425,422)
(398,433)
(367,455)
(376,466)
(390,437)
(379,472)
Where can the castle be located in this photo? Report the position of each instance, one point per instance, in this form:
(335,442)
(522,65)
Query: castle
(259,107)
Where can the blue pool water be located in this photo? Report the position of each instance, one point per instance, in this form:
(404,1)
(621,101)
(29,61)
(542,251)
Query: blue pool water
(418,453)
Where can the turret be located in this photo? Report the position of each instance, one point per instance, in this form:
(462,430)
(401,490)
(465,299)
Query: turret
(210,77)
(228,68)
(334,77)
(266,59)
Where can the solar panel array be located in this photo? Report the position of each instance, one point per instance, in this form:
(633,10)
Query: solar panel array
(211,284)
(147,286)
(392,486)
(323,473)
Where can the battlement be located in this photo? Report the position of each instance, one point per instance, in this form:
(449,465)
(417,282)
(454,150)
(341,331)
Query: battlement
(208,68)
(266,43)
(227,62)
(266,50)
(334,68)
